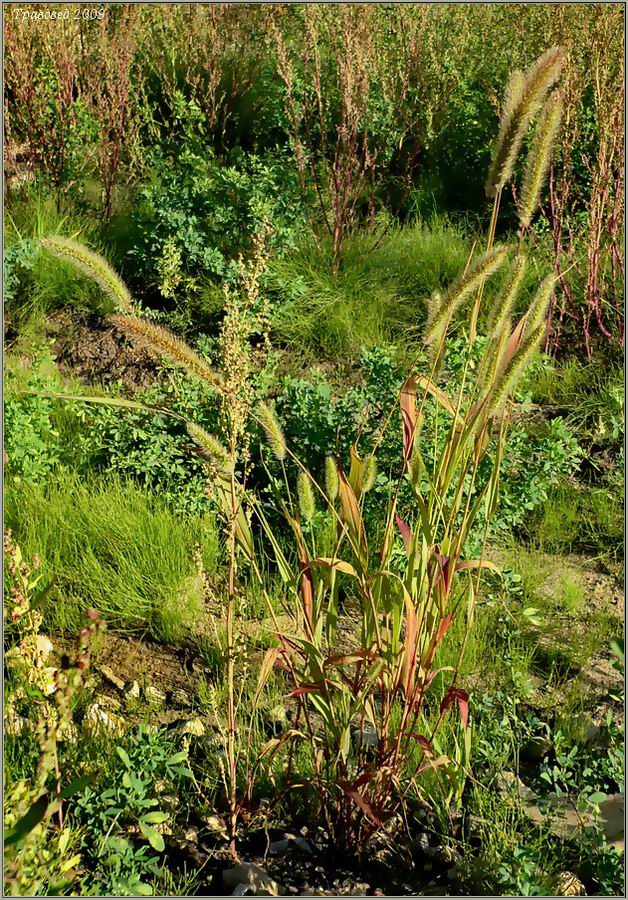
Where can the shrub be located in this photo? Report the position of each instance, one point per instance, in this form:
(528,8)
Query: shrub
(196,217)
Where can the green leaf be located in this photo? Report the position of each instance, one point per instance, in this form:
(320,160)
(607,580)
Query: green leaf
(124,756)
(177,758)
(28,821)
(77,785)
(153,837)
(144,890)
(154,818)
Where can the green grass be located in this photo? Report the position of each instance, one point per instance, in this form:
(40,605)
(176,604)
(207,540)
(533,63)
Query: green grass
(377,294)
(49,283)
(583,518)
(113,546)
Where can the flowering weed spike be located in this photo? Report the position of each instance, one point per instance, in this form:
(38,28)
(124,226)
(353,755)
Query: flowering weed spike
(464,285)
(331,478)
(307,506)
(212,450)
(93,265)
(368,473)
(160,341)
(267,418)
(503,305)
(540,302)
(524,97)
(509,379)
(539,156)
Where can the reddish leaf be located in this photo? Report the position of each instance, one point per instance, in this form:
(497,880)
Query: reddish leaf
(364,778)
(359,800)
(423,742)
(512,344)
(349,509)
(307,583)
(462,699)
(304,689)
(442,628)
(406,534)
(409,415)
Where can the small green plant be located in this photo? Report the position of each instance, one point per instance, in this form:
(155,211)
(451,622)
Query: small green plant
(114,817)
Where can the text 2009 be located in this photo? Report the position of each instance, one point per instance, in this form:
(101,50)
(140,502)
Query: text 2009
(52,15)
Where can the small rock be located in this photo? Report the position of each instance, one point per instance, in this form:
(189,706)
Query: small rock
(180,698)
(568,885)
(193,726)
(303,845)
(422,842)
(254,877)
(133,690)
(153,694)
(276,848)
(44,646)
(110,676)
(98,718)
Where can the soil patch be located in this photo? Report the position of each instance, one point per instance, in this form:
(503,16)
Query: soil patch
(94,350)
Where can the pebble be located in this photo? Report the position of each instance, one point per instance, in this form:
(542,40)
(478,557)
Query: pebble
(152,693)
(110,676)
(254,877)
(133,690)
(98,718)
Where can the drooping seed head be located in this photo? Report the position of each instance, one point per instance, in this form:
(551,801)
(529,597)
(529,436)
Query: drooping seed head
(540,302)
(368,472)
(523,99)
(211,450)
(93,265)
(480,269)
(503,305)
(508,380)
(162,342)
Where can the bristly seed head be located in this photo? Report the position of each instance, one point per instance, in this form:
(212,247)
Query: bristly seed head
(267,418)
(523,99)
(307,506)
(503,305)
(161,342)
(481,268)
(331,478)
(93,265)
(509,379)
(539,156)
(368,471)
(212,451)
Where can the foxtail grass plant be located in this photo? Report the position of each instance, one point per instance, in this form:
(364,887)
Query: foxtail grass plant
(368,616)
